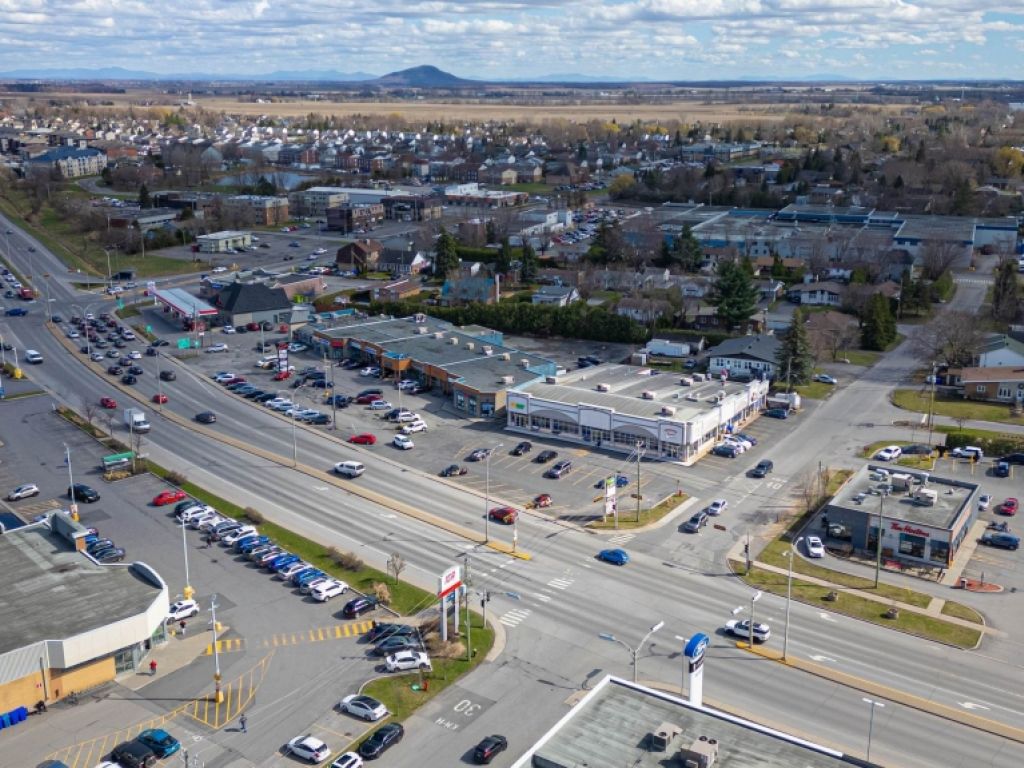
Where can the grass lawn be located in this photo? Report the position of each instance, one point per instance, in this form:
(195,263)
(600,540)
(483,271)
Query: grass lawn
(915,461)
(396,691)
(816,390)
(530,187)
(773,555)
(627,517)
(957,408)
(977,435)
(861,608)
(961,611)
(864,357)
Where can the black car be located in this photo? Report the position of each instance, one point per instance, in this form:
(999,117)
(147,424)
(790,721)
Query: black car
(152,351)
(763,468)
(524,447)
(321,419)
(206,417)
(453,470)
(112,555)
(381,740)
(1002,469)
(128,379)
(545,456)
(114,370)
(84,349)
(133,754)
(159,343)
(136,370)
(396,643)
(339,401)
(254,394)
(98,546)
(57,319)
(381,630)
(321,384)
(84,493)
(727,451)
(1012,458)
(356,608)
(265,398)
(372,391)
(168,375)
(487,749)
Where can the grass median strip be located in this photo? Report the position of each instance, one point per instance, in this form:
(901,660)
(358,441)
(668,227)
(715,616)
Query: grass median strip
(628,518)
(961,611)
(928,627)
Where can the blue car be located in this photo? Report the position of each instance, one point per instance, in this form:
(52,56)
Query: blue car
(777,413)
(16,312)
(160,741)
(250,543)
(281,563)
(614,556)
(749,438)
(304,577)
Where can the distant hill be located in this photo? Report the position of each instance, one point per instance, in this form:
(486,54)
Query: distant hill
(424,76)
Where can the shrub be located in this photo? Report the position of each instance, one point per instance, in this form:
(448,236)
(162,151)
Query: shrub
(253,515)
(382,592)
(346,560)
(175,478)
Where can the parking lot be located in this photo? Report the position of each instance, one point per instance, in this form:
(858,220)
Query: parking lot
(284,665)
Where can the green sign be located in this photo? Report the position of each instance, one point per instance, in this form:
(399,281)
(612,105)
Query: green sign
(149,328)
(183,343)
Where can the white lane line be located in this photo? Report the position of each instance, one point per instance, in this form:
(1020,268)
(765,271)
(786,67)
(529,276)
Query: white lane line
(514,617)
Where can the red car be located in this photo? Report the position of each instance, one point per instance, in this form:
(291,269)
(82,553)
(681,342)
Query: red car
(235,380)
(252,326)
(367,399)
(505,515)
(1009,507)
(108,402)
(159,399)
(542,501)
(364,438)
(281,375)
(169,497)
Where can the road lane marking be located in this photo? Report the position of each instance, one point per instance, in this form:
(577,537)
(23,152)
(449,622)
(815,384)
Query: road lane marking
(561,583)
(514,617)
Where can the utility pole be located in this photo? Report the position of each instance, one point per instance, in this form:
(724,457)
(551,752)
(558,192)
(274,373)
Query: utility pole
(639,455)
(931,408)
(218,695)
(878,539)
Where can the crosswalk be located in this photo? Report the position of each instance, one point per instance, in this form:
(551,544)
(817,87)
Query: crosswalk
(561,583)
(514,617)
(621,539)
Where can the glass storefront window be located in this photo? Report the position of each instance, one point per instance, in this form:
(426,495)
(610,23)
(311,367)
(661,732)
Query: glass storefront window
(939,552)
(912,545)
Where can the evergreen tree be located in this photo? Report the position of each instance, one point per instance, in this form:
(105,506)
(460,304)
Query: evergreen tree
(1005,292)
(264,187)
(735,294)
(144,199)
(529,263)
(446,257)
(795,360)
(878,328)
(689,250)
(666,256)
(504,261)
(492,232)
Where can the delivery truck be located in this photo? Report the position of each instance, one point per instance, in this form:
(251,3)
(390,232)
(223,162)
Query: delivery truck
(135,420)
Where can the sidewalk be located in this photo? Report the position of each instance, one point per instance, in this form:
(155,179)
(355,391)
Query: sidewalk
(177,653)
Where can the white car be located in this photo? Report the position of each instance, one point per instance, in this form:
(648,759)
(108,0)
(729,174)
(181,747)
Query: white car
(824,378)
(128,335)
(198,519)
(380,405)
(209,523)
(407,416)
(406,384)
(985,501)
(219,270)
(814,547)
(280,405)
(320,251)
(186,515)
(717,507)
(325,592)
(349,468)
(403,442)
(308,748)
(741,629)
(311,257)
(23,492)
(228,329)
(135,354)
(370,371)
(736,440)
(97,357)
(291,570)
(417,426)
(309,586)
(889,453)
(182,609)
(234,536)
(220,378)
(348,760)
(73,334)
(403,660)
(366,707)
(296,346)
(221,347)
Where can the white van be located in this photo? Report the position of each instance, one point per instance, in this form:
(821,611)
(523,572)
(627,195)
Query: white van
(349,468)
(31,356)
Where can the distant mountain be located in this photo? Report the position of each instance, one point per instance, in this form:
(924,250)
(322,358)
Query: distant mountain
(312,75)
(423,77)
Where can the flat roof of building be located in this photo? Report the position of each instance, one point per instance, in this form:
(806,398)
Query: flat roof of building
(937,228)
(626,386)
(611,727)
(224,234)
(184,302)
(53,592)
(863,491)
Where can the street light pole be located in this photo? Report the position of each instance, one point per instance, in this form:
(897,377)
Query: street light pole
(790,554)
(487,492)
(639,455)
(871,722)
(750,634)
(878,539)
(633,652)
(295,448)
(218,695)
(187,592)
(71,483)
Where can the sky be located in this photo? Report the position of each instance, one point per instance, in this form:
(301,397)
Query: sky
(519,39)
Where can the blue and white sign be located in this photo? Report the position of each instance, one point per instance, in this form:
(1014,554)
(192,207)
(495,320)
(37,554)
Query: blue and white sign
(694,650)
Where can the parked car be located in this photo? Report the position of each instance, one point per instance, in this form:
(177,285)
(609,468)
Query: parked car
(380,630)
(1009,506)
(984,501)
(406,660)
(1002,540)
(777,413)
(365,707)
(133,754)
(355,608)
(489,748)
(325,592)
(559,470)
(160,741)
(308,748)
(25,491)
(613,556)
(480,454)
(453,470)
(889,453)
(814,547)
(82,492)
(824,378)
(522,448)
(169,497)
(545,456)
(381,740)
(403,442)
(396,643)
(725,450)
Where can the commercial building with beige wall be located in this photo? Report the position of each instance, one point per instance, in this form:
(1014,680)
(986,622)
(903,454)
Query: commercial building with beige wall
(67,623)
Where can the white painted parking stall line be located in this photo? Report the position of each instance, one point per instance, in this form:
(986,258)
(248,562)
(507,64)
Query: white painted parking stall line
(561,583)
(514,617)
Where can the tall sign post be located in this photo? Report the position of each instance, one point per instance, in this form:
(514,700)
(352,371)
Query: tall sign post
(610,504)
(693,653)
(448,584)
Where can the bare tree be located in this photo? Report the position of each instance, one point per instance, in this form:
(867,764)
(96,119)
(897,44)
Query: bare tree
(396,564)
(951,338)
(89,410)
(939,255)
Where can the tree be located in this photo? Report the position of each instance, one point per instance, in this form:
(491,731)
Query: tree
(795,359)
(396,564)
(937,256)
(622,186)
(689,250)
(878,328)
(491,232)
(504,261)
(528,263)
(144,199)
(446,257)
(264,187)
(666,256)
(735,294)
(1005,292)
(608,246)
(951,338)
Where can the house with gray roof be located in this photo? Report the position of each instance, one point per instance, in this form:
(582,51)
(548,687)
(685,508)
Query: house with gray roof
(746,355)
(242,303)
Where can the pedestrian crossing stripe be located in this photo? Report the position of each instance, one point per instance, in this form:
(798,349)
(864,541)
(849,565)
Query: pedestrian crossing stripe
(622,538)
(560,583)
(286,639)
(513,617)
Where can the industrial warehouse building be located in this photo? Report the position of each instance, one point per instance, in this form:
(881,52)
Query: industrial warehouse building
(924,519)
(68,624)
(470,365)
(673,417)
(222,242)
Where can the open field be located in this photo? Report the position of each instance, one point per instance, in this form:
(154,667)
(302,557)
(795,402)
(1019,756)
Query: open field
(582,110)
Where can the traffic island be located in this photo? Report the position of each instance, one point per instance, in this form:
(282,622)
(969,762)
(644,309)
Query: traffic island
(977,585)
(650,517)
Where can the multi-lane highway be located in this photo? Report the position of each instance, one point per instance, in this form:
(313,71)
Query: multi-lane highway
(554,607)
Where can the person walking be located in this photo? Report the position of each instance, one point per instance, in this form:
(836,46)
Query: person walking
(242,722)
(181,626)
(152,668)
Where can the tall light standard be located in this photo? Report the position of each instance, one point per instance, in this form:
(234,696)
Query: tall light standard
(634,652)
(790,554)
(295,447)
(71,484)
(218,695)
(753,599)
(871,722)
(487,493)
(187,592)
(878,537)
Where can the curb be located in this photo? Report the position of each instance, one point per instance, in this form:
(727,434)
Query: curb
(891,694)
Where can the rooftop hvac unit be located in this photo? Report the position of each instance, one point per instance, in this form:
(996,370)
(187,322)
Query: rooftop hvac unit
(551,380)
(438,334)
(506,356)
(487,351)
(692,397)
(453,341)
(603,388)
(470,345)
(661,737)
(422,329)
(647,394)
(524,363)
(508,379)
(702,753)
(668,410)
(686,381)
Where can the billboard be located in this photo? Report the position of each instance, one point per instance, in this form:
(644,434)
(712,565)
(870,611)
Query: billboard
(449,581)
